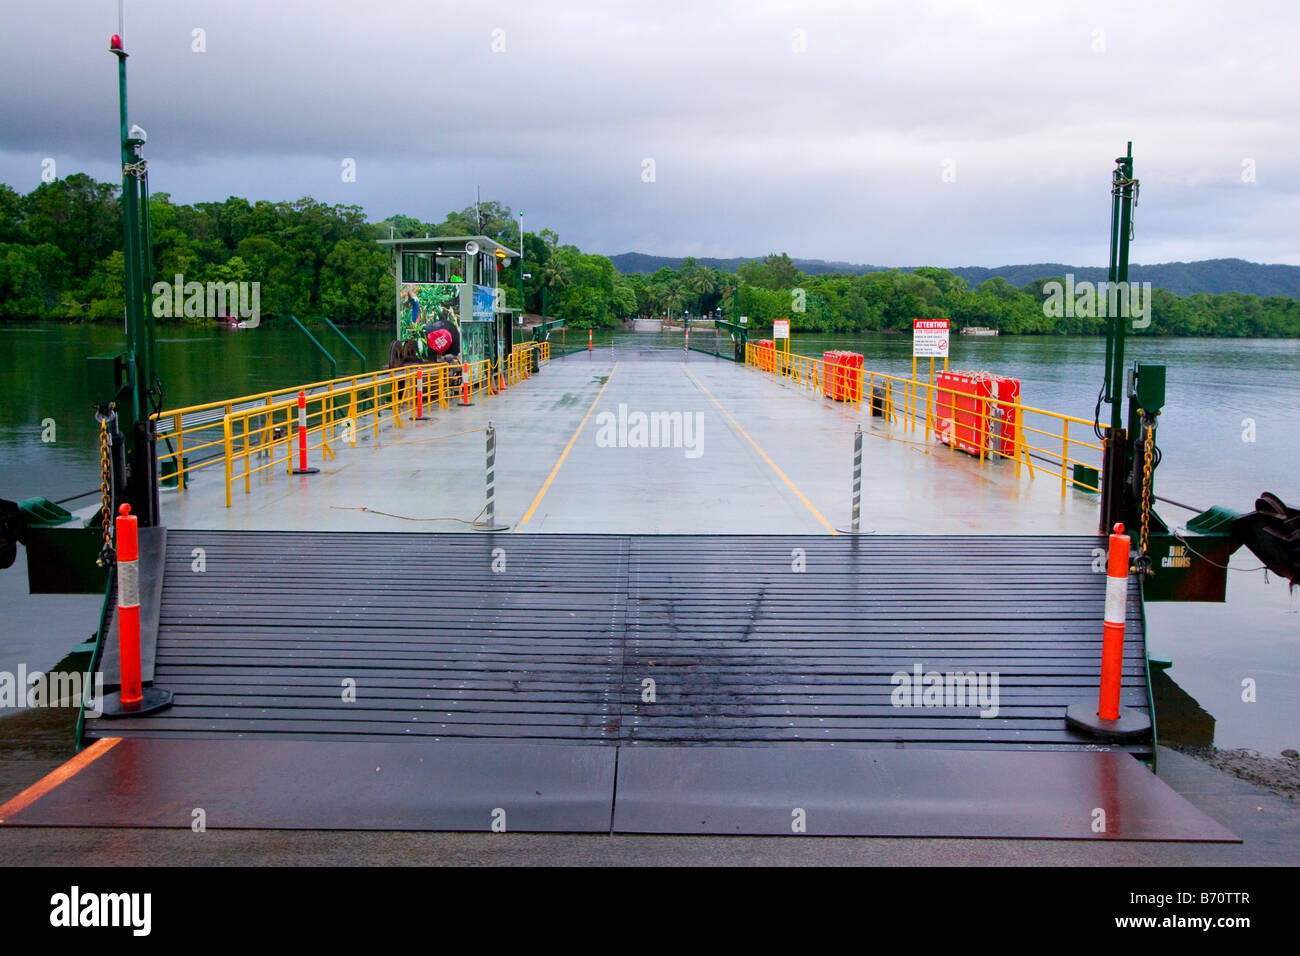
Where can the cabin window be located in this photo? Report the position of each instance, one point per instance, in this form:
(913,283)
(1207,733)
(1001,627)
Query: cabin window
(415,267)
(450,269)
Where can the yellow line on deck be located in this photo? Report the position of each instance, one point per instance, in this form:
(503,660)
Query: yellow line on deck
(781,474)
(57,776)
(564,454)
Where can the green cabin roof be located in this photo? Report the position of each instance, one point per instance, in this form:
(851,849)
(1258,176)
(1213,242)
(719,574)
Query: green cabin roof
(449,244)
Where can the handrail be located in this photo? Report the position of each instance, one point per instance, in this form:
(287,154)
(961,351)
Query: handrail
(198,430)
(334,366)
(900,404)
(542,330)
(253,433)
(346,341)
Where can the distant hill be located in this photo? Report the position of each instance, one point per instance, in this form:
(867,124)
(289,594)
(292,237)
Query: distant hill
(1181,278)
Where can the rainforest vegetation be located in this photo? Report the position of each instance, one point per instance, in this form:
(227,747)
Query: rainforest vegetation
(60,260)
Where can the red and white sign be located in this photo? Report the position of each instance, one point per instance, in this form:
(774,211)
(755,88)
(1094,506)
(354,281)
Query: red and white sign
(780,328)
(929,338)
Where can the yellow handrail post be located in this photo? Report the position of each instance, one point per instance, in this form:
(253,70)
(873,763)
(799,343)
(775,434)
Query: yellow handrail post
(1065,451)
(325,450)
(1024,442)
(288,441)
(177,426)
(374,401)
(248,489)
(1019,433)
(330,401)
(352,413)
(225,430)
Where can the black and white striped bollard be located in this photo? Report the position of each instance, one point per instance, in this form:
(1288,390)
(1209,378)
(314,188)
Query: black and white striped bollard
(489,522)
(856,526)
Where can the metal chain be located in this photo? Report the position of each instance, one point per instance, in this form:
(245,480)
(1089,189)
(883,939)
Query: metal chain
(136,169)
(106,555)
(1119,187)
(1148,451)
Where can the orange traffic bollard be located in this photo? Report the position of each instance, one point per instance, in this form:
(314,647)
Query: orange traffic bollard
(302,468)
(1106,718)
(1112,647)
(128,605)
(133,698)
(589,340)
(464,385)
(419,394)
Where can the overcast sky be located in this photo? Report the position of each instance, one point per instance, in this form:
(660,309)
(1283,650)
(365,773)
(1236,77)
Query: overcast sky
(820,129)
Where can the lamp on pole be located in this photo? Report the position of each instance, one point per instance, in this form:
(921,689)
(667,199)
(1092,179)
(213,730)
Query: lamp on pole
(138,365)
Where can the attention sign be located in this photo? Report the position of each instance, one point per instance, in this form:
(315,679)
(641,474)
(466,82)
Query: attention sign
(780,328)
(929,338)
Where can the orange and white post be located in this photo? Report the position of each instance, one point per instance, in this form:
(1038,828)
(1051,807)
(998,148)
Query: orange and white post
(302,468)
(464,385)
(419,394)
(133,697)
(1112,647)
(128,606)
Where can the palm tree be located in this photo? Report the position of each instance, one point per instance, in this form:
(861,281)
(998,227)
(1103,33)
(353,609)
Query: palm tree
(555,276)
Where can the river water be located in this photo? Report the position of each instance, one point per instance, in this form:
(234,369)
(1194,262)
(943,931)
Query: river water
(1229,431)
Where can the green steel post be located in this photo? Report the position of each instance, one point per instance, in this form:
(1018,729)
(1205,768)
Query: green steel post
(1124,187)
(346,341)
(1116,448)
(334,366)
(133,411)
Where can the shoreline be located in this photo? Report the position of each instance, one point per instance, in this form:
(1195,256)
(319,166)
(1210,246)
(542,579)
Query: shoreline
(1279,775)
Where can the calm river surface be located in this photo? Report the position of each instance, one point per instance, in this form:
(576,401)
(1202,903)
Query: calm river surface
(1214,387)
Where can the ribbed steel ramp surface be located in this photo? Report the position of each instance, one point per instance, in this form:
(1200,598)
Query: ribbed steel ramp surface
(630,640)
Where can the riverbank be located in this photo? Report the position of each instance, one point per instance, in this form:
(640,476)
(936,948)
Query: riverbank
(1280,775)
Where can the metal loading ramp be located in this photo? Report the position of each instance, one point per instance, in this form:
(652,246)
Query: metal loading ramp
(673,684)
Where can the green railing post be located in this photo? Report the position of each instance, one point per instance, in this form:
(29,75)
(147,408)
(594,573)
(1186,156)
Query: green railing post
(346,341)
(334,366)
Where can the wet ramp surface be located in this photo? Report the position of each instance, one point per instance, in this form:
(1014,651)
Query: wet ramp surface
(479,786)
(625,684)
(631,640)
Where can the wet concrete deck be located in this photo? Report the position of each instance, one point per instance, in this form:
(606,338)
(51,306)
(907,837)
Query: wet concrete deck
(768,458)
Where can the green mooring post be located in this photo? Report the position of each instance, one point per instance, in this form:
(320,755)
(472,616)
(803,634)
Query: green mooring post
(140,371)
(1123,191)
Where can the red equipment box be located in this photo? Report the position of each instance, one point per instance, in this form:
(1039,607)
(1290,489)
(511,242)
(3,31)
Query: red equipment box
(840,378)
(766,359)
(967,417)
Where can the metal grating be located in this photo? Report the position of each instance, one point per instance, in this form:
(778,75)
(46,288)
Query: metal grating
(557,645)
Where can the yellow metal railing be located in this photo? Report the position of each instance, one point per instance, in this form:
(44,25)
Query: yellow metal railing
(196,429)
(1043,436)
(258,432)
(519,362)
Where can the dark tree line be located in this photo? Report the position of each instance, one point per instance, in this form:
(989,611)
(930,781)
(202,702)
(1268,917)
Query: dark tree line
(60,259)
